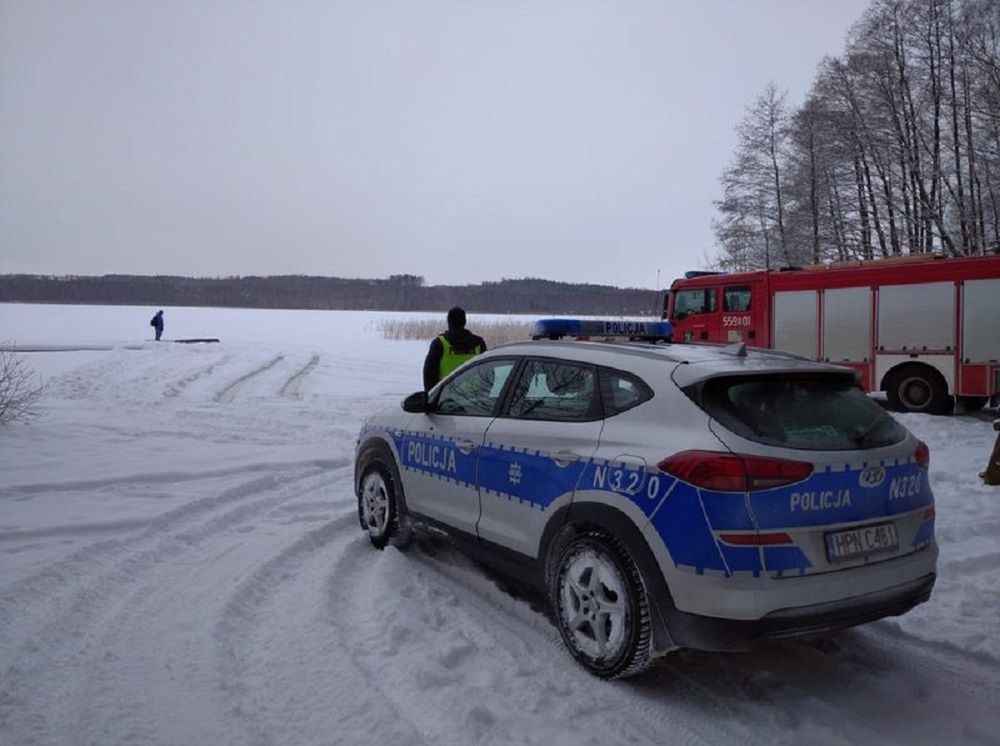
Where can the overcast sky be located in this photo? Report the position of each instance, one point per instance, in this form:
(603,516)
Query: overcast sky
(460,140)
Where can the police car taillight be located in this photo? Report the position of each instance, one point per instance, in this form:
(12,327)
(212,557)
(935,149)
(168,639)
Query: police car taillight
(728,472)
(923,455)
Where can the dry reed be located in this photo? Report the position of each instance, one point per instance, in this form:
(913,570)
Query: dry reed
(494,332)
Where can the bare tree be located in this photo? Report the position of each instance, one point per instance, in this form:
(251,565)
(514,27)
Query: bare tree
(20,390)
(752,222)
(896,149)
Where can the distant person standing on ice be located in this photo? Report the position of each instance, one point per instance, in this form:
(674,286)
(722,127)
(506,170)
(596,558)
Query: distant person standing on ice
(450,349)
(157,323)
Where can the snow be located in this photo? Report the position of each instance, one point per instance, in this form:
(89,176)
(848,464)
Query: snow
(182,563)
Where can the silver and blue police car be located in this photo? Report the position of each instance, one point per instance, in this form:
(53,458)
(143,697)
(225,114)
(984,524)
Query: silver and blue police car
(663,495)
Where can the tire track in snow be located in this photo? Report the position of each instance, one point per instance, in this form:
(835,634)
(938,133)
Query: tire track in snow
(463,633)
(166,477)
(246,622)
(659,704)
(292,385)
(227,394)
(74,530)
(642,696)
(901,649)
(806,686)
(69,570)
(974,565)
(696,697)
(174,389)
(179,658)
(171,525)
(80,591)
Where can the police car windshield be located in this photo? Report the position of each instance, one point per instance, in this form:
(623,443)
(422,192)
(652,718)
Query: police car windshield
(806,411)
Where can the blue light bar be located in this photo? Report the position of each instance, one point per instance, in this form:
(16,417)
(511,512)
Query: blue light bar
(558,328)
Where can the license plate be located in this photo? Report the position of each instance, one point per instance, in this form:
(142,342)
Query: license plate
(861,542)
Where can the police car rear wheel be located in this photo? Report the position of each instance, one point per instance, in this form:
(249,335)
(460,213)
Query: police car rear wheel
(600,605)
(378,508)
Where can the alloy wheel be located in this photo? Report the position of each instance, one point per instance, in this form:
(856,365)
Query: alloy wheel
(374,504)
(593,607)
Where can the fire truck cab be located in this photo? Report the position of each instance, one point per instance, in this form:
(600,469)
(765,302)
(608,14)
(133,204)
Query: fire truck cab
(923,329)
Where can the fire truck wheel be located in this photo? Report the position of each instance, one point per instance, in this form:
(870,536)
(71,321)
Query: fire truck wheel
(918,388)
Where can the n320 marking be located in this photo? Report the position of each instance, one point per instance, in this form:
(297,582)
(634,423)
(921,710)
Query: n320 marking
(629,481)
(903,487)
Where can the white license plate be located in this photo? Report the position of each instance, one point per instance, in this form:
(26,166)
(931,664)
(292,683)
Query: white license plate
(862,541)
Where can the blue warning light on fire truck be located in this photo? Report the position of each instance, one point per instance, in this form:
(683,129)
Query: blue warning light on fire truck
(559,328)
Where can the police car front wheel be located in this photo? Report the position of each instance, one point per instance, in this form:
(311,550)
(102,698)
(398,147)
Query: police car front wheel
(600,606)
(378,508)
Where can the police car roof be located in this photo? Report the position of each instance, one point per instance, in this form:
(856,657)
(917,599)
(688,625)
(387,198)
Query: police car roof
(690,362)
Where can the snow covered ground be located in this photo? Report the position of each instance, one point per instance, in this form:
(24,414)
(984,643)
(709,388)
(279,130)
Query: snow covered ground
(182,564)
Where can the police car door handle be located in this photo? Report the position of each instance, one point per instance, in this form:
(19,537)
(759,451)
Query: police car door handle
(565,458)
(466,446)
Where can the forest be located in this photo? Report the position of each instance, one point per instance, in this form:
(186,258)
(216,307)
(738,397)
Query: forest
(895,150)
(395,293)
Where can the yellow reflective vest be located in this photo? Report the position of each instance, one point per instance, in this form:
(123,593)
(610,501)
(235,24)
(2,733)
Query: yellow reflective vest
(450,359)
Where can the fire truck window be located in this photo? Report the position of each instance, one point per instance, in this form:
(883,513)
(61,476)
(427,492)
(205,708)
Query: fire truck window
(690,302)
(736,299)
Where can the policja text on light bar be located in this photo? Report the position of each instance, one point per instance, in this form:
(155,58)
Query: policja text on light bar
(557,328)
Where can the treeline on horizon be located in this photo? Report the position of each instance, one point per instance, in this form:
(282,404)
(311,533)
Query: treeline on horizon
(395,293)
(896,149)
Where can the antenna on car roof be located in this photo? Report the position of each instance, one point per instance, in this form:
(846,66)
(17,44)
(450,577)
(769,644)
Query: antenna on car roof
(736,349)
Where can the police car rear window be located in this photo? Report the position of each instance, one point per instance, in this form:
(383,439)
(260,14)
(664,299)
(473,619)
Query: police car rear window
(622,391)
(814,411)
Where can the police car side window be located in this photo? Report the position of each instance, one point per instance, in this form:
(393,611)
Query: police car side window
(621,391)
(476,390)
(555,390)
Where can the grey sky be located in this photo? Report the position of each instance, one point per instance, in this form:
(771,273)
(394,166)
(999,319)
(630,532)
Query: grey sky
(461,140)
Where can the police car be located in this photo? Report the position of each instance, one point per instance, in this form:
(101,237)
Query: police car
(664,495)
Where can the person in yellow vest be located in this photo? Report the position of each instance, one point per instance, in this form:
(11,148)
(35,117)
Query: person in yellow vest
(450,349)
(992,474)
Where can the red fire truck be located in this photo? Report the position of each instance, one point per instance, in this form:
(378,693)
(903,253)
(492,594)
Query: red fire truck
(924,330)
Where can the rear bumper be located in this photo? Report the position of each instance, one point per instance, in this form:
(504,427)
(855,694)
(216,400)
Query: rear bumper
(711,633)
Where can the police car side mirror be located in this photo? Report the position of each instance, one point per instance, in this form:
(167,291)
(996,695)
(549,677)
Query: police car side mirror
(416,402)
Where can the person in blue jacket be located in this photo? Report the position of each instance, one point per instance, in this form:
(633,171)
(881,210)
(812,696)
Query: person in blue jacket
(157,323)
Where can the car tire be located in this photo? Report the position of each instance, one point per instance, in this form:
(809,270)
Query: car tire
(918,388)
(379,507)
(600,606)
